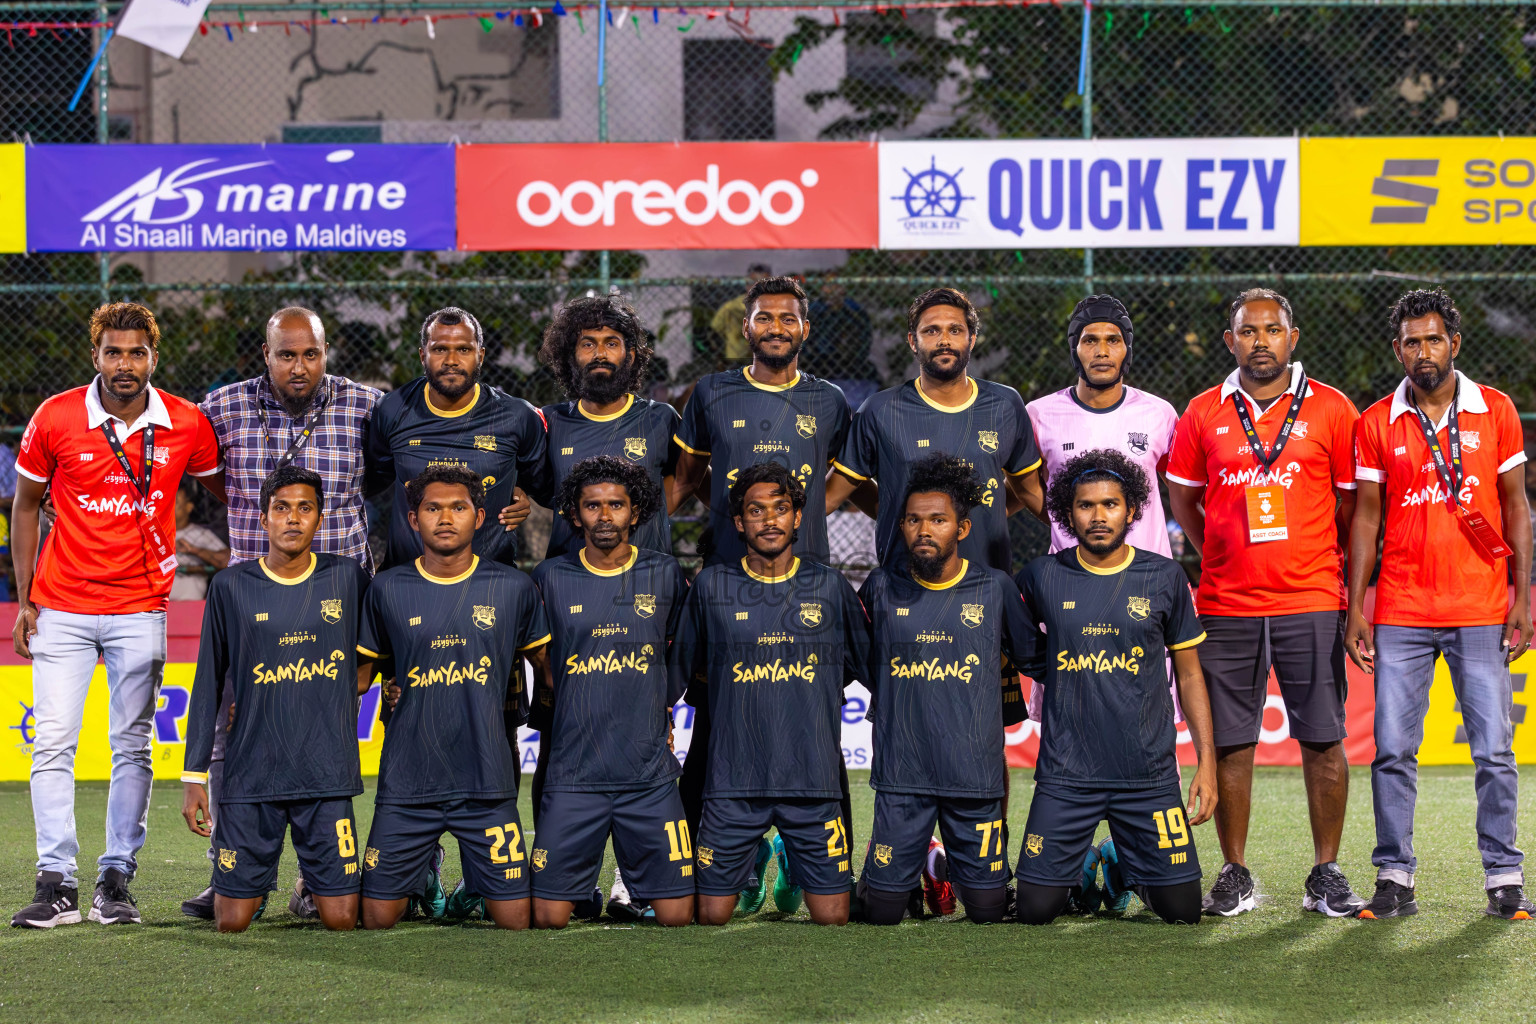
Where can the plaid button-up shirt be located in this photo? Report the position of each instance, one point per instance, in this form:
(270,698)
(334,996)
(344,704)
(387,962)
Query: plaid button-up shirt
(254,431)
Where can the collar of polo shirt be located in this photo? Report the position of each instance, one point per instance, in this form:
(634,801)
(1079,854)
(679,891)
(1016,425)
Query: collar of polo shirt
(1232,384)
(1469,398)
(154,412)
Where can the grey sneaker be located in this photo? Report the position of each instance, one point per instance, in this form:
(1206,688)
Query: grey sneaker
(1390,900)
(1328,892)
(1509,902)
(54,903)
(1232,893)
(113,903)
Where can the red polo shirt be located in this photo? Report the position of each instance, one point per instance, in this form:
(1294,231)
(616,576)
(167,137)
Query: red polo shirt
(95,560)
(1432,571)
(1304,572)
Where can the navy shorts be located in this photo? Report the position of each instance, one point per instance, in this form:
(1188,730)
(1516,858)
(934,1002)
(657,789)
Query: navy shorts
(814,834)
(651,842)
(975,840)
(1152,838)
(403,841)
(249,843)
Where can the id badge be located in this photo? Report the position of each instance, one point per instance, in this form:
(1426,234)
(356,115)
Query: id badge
(1488,540)
(1266,513)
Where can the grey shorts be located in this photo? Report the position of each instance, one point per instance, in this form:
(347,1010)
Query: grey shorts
(1306,650)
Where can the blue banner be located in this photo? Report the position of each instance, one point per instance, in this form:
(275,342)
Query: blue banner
(248,198)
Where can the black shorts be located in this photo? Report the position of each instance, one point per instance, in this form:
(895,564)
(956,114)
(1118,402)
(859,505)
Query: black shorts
(249,843)
(651,842)
(1152,838)
(814,834)
(974,832)
(1306,651)
(403,841)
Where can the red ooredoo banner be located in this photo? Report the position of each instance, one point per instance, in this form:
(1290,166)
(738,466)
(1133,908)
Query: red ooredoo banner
(700,195)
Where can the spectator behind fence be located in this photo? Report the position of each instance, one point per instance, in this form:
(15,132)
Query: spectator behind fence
(838,350)
(728,319)
(199,552)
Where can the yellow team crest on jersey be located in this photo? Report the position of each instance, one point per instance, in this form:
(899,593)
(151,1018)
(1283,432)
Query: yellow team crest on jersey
(971,614)
(330,609)
(226,860)
(1033,844)
(882,855)
(485,442)
(810,614)
(645,605)
(540,858)
(1139,607)
(634,448)
(987,439)
(805,426)
(370,858)
(485,616)
(705,856)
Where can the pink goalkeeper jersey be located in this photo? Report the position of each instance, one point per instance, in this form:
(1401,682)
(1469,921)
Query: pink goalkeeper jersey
(1140,426)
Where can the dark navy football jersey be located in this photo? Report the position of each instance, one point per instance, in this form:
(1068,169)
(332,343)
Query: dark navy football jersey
(455,649)
(613,689)
(500,438)
(287,648)
(738,422)
(768,660)
(898,426)
(1107,717)
(642,433)
(939,657)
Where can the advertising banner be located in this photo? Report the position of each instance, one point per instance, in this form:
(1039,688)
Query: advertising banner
(1067,194)
(13,198)
(694,195)
(1441,190)
(258,198)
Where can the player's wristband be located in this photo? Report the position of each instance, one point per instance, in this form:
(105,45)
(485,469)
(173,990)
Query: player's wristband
(201,778)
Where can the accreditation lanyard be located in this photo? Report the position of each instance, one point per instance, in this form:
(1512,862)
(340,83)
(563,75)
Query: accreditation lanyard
(1266,501)
(302,439)
(162,552)
(1487,539)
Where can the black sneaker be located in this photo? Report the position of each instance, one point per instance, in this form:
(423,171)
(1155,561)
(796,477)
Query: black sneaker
(1232,893)
(1328,892)
(113,903)
(1391,900)
(199,906)
(54,903)
(1509,902)
(589,909)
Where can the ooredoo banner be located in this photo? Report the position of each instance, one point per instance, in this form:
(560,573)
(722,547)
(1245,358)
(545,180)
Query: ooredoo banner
(264,198)
(717,195)
(1070,193)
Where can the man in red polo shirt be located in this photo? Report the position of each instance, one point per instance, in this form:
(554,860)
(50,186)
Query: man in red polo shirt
(112,454)
(1444,457)
(1261,478)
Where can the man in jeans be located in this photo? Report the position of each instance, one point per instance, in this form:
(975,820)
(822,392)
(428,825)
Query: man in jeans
(113,454)
(1444,457)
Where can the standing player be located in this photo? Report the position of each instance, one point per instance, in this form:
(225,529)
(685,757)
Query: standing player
(768,645)
(943,628)
(1444,456)
(281,633)
(1261,478)
(446,417)
(1107,740)
(944,410)
(599,352)
(452,625)
(610,767)
(766,412)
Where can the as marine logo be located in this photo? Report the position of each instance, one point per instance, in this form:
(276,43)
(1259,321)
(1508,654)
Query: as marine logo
(987,439)
(882,855)
(634,448)
(226,860)
(971,614)
(1138,607)
(645,605)
(330,609)
(485,616)
(810,614)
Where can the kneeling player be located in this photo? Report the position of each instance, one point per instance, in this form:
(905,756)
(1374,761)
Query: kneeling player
(609,764)
(281,631)
(943,627)
(1106,735)
(768,645)
(453,627)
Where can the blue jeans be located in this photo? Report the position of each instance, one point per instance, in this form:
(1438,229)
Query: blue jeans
(1405,667)
(64,654)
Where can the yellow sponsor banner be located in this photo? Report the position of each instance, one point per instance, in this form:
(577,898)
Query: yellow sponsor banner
(1418,190)
(13,198)
(93,757)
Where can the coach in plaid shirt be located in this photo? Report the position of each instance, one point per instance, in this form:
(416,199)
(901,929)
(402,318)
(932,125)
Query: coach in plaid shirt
(295,412)
(260,421)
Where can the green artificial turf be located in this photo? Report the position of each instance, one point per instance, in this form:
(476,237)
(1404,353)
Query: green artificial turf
(1275,964)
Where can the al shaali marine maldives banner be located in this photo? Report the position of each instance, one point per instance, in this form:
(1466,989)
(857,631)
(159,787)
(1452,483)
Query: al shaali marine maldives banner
(259,198)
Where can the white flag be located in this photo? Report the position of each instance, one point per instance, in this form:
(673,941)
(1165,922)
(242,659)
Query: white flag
(164,25)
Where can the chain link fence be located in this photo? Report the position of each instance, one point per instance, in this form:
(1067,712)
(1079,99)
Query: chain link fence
(383,73)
